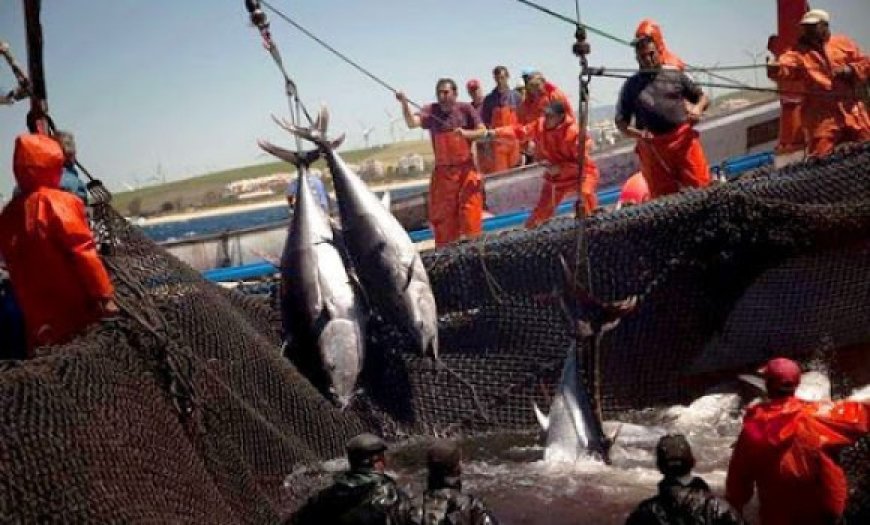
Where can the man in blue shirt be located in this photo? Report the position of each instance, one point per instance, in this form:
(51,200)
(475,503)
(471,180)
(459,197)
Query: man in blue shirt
(70,180)
(315,183)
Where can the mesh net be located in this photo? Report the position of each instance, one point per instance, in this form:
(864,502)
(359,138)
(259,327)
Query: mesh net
(185,409)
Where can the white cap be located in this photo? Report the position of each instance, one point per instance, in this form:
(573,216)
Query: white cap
(814,16)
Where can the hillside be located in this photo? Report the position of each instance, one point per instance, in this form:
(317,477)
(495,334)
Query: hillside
(207,190)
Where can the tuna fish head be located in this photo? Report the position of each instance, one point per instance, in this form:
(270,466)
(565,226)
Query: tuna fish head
(424,316)
(340,346)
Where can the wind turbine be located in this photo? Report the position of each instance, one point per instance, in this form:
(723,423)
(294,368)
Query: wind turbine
(393,122)
(366,131)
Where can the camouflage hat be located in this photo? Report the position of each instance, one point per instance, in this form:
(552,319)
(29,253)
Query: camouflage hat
(674,455)
(363,447)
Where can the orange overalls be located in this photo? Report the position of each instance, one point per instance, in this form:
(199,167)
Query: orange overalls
(791,133)
(560,149)
(57,275)
(786,450)
(455,190)
(832,111)
(502,153)
(651,29)
(672,161)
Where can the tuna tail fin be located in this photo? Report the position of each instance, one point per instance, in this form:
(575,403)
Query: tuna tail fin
(543,419)
(314,134)
(297,158)
(321,124)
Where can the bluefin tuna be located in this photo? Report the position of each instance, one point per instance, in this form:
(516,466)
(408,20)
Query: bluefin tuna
(386,260)
(320,304)
(572,428)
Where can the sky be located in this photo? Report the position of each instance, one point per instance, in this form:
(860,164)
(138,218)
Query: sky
(177,89)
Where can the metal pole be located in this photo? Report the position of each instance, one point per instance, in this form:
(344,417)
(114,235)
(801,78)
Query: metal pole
(36,117)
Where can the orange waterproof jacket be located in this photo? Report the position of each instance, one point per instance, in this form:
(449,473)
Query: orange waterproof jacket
(560,147)
(532,107)
(56,273)
(785,450)
(829,105)
(650,28)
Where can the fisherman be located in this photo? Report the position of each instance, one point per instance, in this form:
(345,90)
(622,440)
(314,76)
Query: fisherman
(650,29)
(500,109)
(791,133)
(787,448)
(70,180)
(455,190)
(665,105)
(832,72)
(557,136)
(520,88)
(364,495)
(475,93)
(539,93)
(318,189)
(682,498)
(444,502)
(58,277)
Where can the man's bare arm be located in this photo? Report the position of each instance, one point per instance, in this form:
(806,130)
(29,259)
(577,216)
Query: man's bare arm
(412,120)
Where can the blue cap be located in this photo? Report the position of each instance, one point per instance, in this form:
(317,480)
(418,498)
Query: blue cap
(529,71)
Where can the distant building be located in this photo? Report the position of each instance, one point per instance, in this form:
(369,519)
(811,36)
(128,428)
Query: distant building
(372,169)
(410,164)
(269,184)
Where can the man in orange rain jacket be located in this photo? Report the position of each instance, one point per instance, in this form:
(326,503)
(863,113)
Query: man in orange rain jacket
(785,450)
(649,28)
(665,104)
(57,276)
(557,136)
(539,94)
(831,70)
(455,190)
(791,133)
(499,110)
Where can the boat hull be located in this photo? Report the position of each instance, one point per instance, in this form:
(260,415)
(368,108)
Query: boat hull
(747,131)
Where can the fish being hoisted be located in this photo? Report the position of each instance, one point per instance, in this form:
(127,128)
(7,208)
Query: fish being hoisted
(386,260)
(320,306)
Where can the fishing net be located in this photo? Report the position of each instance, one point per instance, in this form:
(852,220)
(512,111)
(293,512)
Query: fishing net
(185,410)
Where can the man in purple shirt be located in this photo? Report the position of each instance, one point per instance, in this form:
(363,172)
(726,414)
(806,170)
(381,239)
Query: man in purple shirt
(499,109)
(455,192)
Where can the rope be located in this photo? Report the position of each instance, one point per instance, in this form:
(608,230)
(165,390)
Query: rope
(607,35)
(602,72)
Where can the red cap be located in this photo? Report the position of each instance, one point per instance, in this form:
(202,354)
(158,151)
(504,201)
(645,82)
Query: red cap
(782,371)
(472,84)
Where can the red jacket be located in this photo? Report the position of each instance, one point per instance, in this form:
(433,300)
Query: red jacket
(785,450)
(56,273)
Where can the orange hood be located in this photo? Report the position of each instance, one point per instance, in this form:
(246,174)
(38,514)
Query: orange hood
(651,28)
(37,162)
